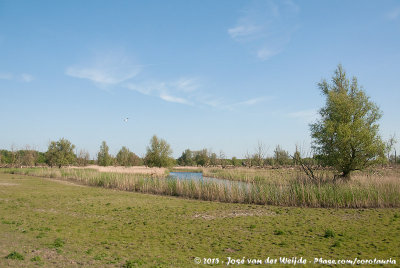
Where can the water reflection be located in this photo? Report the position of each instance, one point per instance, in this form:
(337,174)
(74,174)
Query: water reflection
(198,176)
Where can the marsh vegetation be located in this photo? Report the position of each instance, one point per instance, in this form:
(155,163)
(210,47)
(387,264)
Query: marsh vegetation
(285,187)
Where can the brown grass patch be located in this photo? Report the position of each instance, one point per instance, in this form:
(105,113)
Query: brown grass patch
(129,170)
(8,184)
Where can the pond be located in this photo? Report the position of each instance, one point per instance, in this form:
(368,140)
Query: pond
(198,176)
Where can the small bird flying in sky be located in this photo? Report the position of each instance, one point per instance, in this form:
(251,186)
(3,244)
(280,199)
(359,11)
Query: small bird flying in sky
(126,119)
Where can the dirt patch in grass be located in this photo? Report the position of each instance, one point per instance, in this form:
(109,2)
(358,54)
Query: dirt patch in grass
(8,184)
(66,182)
(234,214)
(51,256)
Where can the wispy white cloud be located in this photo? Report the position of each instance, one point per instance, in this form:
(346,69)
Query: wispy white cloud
(117,70)
(177,91)
(266,27)
(17,77)
(170,98)
(254,101)
(209,100)
(245,103)
(243,30)
(266,53)
(101,75)
(106,69)
(187,84)
(251,102)
(27,77)
(393,14)
(188,91)
(306,115)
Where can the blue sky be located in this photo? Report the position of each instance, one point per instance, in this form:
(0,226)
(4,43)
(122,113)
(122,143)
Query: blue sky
(221,75)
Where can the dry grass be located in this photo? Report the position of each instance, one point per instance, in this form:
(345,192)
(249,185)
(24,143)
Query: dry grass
(154,171)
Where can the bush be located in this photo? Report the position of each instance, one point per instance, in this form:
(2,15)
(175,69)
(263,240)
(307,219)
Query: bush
(329,233)
(15,256)
(58,243)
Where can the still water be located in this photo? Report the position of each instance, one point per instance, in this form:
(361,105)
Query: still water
(198,176)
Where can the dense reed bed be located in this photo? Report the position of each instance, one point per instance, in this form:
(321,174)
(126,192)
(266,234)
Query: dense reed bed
(254,175)
(289,189)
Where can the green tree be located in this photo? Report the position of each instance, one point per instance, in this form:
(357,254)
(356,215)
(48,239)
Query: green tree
(158,153)
(41,159)
(346,137)
(123,156)
(6,157)
(60,153)
(236,162)
(186,159)
(103,157)
(213,159)
(281,156)
(201,158)
(127,158)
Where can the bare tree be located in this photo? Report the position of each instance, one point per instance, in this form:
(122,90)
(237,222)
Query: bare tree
(259,155)
(296,156)
(389,146)
(28,156)
(307,168)
(222,159)
(15,157)
(83,157)
(248,160)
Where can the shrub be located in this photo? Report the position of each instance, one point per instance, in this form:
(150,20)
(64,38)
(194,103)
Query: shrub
(58,243)
(329,233)
(15,256)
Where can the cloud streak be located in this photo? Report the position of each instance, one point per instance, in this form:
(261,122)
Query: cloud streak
(187,91)
(242,30)
(27,78)
(170,98)
(108,70)
(306,115)
(17,77)
(393,14)
(266,27)
(178,91)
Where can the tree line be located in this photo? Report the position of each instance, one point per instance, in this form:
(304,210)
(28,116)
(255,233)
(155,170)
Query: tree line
(62,153)
(158,154)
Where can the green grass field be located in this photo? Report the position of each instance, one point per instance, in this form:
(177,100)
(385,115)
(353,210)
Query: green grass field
(51,223)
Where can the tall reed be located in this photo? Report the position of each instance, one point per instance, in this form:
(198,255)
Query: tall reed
(364,191)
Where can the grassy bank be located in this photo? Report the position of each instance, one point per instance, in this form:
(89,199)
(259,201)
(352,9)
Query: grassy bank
(53,223)
(366,191)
